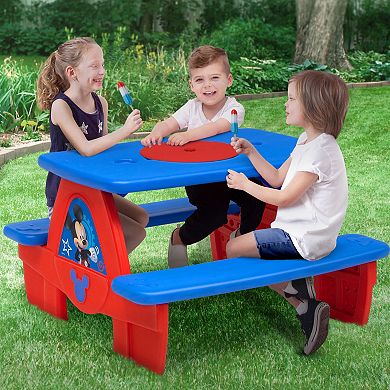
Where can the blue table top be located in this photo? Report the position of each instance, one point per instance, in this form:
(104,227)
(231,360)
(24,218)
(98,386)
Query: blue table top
(121,169)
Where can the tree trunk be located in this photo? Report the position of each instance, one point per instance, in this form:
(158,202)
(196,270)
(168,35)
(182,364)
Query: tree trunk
(320,32)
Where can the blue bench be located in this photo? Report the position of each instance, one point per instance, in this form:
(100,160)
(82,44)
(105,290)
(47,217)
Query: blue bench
(35,232)
(345,280)
(225,276)
(351,264)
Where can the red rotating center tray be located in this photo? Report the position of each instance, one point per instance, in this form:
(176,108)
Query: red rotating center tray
(197,151)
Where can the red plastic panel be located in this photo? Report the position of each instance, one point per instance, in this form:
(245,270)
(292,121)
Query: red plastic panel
(220,237)
(139,332)
(348,292)
(197,151)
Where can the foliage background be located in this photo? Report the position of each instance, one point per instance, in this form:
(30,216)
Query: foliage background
(146,43)
(38,27)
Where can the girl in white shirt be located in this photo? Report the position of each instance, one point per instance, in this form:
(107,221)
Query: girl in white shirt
(313,197)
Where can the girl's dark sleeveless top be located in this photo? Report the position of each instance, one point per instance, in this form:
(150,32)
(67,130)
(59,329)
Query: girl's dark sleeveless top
(90,124)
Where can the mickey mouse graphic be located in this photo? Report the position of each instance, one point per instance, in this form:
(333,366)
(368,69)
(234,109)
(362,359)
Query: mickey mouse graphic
(79,235)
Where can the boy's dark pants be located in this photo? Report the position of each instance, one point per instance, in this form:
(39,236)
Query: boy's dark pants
(212,203)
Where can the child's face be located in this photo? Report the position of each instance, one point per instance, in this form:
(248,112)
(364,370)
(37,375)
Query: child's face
(90,71)
(294,109)
(210,83)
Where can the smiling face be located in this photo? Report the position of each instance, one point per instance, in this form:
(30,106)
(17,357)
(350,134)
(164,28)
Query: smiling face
(81,236)
(295,114)
(210,82)
(90,72)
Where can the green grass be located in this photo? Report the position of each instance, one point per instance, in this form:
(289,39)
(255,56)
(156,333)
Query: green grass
(29,61)
(245,340)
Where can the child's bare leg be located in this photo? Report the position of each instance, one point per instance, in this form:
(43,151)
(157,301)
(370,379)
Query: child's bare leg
(242,246)
(313,315)
(131,210)
(279,288)
(133,232)
(246,246)
(133,219)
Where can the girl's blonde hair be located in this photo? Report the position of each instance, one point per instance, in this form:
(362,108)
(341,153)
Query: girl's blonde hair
(324,97)
(52,78)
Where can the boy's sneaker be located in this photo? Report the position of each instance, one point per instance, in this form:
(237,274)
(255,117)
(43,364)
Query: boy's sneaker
(304,289)
(315,325)
(177,254)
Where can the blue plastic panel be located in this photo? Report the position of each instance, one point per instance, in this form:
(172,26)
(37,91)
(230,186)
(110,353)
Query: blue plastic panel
(160,213)
(28,232)
(174,210)
(121,169)
(231,275)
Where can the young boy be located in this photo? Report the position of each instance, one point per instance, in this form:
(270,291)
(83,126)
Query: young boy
(206,115)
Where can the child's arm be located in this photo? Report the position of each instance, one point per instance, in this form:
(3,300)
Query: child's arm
(61,115)
(160,130)
(299,184)
(274,177)
(208,130)
(170,125)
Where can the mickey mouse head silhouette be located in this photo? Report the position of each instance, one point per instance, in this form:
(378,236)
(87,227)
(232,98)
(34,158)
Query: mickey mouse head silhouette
(80,285)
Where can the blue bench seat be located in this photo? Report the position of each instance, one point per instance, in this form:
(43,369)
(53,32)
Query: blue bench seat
(35,232)
(225,276)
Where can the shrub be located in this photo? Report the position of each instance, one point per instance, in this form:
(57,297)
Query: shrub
(256,76)
(253,39)
(15,39)
(372,25)
(157,81)
(17,94)
(370,66)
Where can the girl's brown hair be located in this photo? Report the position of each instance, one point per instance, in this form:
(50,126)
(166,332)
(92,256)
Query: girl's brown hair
(324,97)
(52,78)
(205,55)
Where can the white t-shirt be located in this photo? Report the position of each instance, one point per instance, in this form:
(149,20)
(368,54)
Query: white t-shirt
(191,114)
(315,220)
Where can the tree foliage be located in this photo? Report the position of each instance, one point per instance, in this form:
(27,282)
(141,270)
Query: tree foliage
(38,27)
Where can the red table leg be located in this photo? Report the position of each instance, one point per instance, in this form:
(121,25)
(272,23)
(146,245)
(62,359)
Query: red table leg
(348,292)
(146,346)
(52,274)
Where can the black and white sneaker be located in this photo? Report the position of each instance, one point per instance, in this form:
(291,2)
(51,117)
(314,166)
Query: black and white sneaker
(315,325)
(304,289)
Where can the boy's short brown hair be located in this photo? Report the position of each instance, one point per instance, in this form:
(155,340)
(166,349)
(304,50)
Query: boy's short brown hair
(205,55)
(324,97)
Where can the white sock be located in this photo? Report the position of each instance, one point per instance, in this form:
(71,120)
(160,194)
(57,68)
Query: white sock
(290,289)
(302,307)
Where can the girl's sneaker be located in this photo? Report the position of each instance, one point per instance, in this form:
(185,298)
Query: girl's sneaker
(315,325)
(304,289)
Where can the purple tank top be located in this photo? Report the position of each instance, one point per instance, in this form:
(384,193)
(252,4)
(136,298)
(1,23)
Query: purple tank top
(90,124)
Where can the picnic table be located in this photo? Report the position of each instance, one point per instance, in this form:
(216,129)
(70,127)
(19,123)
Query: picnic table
(97,281)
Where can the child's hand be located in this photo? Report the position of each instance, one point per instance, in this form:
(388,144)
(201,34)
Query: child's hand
(236,180)
(178,139)
(133,121)
(241,145)
(155,137)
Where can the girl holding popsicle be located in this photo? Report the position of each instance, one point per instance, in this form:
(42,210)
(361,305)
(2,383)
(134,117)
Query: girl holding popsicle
(67,86)
(313,198)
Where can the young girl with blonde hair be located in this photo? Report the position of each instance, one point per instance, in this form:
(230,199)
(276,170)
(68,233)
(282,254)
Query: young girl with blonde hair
(313,198)
(67,86)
